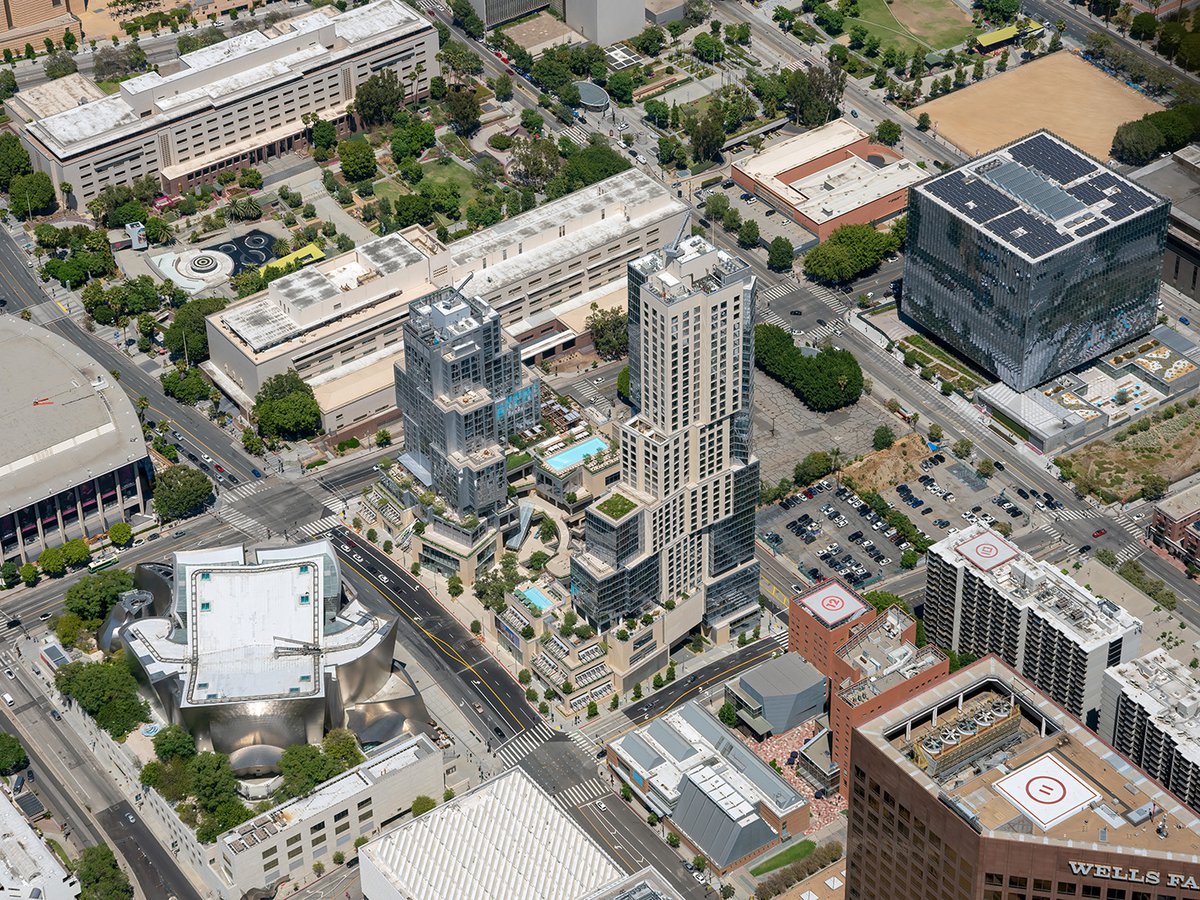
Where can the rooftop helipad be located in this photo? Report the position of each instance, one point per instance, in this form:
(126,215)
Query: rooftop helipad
(1046,791)
(987,551)
(833,603)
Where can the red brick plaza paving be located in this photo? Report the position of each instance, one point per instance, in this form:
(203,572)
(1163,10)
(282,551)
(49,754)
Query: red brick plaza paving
(779,747)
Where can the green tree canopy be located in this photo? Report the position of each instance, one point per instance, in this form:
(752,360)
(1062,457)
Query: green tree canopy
(52,561)
(92,596)
(888,132)
(341,746)
(826,381)
(286,408)
(779,254)
(324,134)
(14,159)
(847,252)
(422,804)
(180,491)
(610,332)
(378,98)
(813,467)
(12,754)
(358,160)
(174,742)
(187,336)
(107,692)
(100,877)
(31,195)
(304,766)
(463,108)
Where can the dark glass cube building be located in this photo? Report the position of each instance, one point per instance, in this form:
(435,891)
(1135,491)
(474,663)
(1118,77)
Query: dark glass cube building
(1033,259)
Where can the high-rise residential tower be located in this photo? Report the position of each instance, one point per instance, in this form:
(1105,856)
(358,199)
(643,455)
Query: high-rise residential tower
(1033,259)
(677,531)
(984,595)
(462,390)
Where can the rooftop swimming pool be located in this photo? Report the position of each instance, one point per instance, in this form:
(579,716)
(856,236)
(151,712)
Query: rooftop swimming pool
(534,595)
(564,459)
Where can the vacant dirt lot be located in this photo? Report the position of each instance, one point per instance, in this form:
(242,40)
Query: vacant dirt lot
(1034,95)
(1170,448)
(887,468)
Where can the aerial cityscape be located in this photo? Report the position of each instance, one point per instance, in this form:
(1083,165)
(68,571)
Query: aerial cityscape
(600,449)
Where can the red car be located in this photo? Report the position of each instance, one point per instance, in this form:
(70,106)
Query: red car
(219,467)
(1100,532)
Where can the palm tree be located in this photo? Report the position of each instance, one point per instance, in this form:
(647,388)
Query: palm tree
(413,77)
(1060,25)
(835,461)
(1031,46)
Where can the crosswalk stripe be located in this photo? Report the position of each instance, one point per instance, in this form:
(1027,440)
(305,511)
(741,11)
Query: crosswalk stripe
(776,291)
(313,529)
(579,794)
(524,744)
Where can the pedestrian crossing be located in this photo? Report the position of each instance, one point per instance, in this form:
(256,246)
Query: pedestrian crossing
(319,527)
(229,495)
(429,5)
(776,291)
(581,794)
(243,523)
(821,332)
(586,389)
(524,743)
(1129,552)
(829,298)
(1051,530)
(1072,515)
(768,316)
(583,742)
(578,134)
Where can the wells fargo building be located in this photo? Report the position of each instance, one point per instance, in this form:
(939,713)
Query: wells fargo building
(980,787)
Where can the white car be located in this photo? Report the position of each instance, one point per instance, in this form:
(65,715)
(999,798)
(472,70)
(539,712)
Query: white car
(951,531)
(598,380)
(383,579)
(641,159)
(600,806)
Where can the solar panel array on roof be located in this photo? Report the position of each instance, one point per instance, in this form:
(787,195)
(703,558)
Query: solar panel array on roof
(1027,185)
(973,197)
(1087,192)
(1091,227)
(1051,158)
(1028,233)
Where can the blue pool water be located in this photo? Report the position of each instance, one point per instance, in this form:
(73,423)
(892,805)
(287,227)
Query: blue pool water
(535,596)
(564,459)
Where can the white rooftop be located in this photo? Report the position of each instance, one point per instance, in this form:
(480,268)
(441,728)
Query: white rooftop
(803,148)
(590,218)
(65,420)
(1046,791)
(209,77)
(833,603)
(384,761)
(504,839)
(243,631)
(1169,692)
(847,186)
(1038,586)
(27,864)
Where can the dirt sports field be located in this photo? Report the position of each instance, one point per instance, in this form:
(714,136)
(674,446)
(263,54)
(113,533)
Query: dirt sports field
(1007,106)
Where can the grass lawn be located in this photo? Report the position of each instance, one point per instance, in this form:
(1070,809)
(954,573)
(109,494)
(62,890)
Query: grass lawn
(792,854)
(390,188)
(454,174)
(908,24)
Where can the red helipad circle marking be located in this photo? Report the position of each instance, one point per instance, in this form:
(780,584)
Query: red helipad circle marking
(987,551)
(1046,790)
(833,604)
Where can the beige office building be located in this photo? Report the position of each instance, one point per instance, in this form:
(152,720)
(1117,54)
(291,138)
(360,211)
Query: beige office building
(232,104)
(32,21)
(284,843)
(338,322)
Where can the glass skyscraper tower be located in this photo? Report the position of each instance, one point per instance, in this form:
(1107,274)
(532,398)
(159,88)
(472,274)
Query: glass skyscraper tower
(1033,259)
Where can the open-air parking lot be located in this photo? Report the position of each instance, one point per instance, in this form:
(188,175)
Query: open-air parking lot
(772,223)
(829,531)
